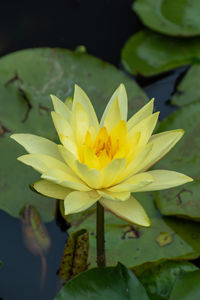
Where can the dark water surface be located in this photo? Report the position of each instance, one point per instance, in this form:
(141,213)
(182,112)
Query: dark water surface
(102,26)
(21,271)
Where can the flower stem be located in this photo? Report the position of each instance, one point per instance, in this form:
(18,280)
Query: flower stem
(101,257)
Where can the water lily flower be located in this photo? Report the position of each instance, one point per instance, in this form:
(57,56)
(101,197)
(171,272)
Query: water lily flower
(104,161)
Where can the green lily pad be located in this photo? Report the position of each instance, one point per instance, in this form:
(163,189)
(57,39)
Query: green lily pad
(190,235)
(176,18)
(159,279)
(148,53)
(27,78)
(114,283)
(188,89)
(183,201)
(133,245)
(187,287)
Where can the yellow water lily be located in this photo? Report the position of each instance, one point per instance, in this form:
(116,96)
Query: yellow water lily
(104,161)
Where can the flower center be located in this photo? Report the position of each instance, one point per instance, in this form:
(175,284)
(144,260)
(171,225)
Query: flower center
(98,151)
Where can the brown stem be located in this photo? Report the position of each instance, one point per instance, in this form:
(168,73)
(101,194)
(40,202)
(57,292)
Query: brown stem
(101,257)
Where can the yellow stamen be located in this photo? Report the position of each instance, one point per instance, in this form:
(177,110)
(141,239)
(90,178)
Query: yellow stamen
(99,151)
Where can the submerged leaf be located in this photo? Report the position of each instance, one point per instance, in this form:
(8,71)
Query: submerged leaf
(80,253)
(65,269)
(75,255)
(35,234)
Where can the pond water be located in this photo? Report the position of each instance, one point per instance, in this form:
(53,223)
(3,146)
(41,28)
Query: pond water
(114,23)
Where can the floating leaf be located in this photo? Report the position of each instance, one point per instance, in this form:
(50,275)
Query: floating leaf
(190,235)
(113,283)
(159,278)
(148,53)
(129,243)
(27,78)
(187,287)
(183,201)
(176,18)
(74,260)
(188,89)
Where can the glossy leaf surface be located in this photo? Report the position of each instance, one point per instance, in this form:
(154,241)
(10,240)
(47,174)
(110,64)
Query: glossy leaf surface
(148,53)
(128,244)
(183,201)
(114,283)
(176,18)
(187,287)
(159,278)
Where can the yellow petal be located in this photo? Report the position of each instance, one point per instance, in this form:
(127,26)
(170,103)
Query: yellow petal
(162,144)
(92,177)
(146,127)
(103,159)
(68,157)
(112,170)
(163,179)
(119,137)
(70,145)
(135,165)
(82,98)
(36,144)
(101,139)
(69,102)
(143,113)
(62,125)
(78,201)
(61,108)
(113,116)
(120,93)
(66,180)
(90,159)
(129,210)
(88,139)
(42,163)
(133,183)
(133,148)
(51,189)
(121,196)
(81,123)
